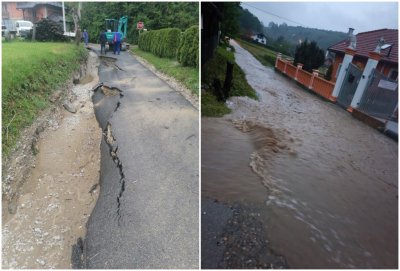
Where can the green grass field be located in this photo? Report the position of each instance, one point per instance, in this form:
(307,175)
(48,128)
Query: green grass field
(31,71)
(215,68)
(188,76)
(264,55)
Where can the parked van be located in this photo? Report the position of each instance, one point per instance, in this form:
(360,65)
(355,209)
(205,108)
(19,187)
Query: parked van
(23,28)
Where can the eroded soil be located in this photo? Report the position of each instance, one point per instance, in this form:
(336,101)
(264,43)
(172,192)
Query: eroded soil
(58,196)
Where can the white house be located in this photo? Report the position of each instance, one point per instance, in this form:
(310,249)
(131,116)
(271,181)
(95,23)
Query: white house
(260,38)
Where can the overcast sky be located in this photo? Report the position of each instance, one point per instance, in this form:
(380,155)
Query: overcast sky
(362,16)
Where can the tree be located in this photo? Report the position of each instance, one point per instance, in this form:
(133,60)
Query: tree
(76,16)
(230,20)
(310,55)
(249,22)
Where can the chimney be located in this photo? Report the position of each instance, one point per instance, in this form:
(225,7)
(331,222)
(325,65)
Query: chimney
(352,40)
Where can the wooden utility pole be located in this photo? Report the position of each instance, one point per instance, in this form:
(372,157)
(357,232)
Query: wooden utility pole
(34,32)
(228,79)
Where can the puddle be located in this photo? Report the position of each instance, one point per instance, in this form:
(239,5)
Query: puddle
(86,80)
(110,91)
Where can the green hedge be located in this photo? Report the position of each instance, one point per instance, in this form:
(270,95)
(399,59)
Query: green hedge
(48,30)
(162,43)
(188,52)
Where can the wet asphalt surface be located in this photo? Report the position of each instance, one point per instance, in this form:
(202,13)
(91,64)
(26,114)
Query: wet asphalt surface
(147,212)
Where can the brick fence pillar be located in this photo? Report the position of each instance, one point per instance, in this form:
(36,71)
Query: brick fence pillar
(284,69)
(278,57)
(299,67)
(314,74)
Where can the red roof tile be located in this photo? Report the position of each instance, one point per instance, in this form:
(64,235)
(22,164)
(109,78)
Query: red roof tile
(367,41)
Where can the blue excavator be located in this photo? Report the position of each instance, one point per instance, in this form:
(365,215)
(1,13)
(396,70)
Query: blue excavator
(113,26)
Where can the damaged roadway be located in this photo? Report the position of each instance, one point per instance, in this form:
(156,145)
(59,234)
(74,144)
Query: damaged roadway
(147,212)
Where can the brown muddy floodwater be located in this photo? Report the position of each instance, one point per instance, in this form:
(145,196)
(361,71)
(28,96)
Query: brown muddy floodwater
(228,174)
(328,184)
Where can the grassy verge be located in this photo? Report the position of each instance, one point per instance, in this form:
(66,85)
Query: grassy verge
(215,68)
(210,107)
(31,71)
(188,76)
(264,55)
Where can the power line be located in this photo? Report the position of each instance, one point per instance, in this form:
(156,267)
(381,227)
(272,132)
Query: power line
(270,13)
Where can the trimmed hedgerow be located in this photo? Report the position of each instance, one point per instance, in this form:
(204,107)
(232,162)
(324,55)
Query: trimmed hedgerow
(188,52)
(162,43)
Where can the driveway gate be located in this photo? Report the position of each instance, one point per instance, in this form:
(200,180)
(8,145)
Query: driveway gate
(349,86)
(380,97)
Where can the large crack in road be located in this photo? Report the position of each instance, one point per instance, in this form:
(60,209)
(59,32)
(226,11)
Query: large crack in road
(147,212)
(104,92)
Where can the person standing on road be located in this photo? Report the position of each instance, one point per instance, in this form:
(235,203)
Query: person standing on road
(117,43)
(85,37)
(103,40)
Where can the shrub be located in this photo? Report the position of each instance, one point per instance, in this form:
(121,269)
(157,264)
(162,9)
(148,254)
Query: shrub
(270,59)
(328,75)
(188,52)
(309,54)
(48,30)
(133,36)
(162,43)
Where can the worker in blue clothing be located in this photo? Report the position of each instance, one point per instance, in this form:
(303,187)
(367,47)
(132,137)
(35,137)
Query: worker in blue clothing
(85,37)
(117,43)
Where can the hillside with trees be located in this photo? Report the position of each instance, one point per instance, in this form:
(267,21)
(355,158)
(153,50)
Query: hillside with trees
(294,34)
(284,38)
(249,23)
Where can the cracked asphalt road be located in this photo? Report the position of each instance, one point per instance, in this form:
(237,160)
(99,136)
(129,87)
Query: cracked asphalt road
(153,223)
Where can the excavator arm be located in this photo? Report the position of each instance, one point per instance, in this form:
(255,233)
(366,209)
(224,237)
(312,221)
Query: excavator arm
(123,26)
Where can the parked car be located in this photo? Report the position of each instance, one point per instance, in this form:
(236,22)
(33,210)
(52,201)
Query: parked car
(23,28)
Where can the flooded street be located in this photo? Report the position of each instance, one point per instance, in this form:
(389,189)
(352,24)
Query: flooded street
(326,183)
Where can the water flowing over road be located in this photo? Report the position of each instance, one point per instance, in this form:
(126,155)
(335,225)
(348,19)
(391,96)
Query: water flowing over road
(327,183)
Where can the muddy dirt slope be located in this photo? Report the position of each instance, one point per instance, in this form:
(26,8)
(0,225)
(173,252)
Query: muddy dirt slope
(53,205)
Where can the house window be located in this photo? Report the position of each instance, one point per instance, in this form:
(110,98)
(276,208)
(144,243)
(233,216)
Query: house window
(393,74)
